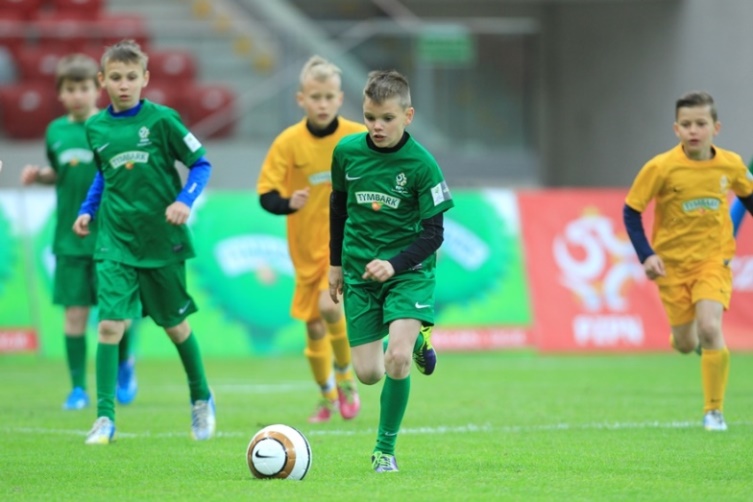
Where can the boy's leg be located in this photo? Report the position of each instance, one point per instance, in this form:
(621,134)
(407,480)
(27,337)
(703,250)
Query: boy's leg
(75,349)
(319,355)
(714,362)
(127,384)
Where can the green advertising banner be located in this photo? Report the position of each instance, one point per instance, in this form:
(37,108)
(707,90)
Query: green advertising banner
(242,278)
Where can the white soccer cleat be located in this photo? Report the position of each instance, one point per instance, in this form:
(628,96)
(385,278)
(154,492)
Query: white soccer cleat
(203,422)
(714,421)
(103,432)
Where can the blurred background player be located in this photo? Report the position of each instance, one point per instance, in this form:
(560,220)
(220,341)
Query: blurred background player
(295,181)
(692,239)
(72,171)
(386,224)
(143,240)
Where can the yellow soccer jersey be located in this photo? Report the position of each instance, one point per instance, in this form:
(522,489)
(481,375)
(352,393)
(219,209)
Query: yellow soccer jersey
(297,159)
(691,217)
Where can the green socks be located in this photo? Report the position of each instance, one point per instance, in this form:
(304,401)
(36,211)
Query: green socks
(107,377)
(192,363)
(393,401)
(75,349)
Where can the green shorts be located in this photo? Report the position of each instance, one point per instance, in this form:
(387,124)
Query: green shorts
(127,292)
(75,282)
(370,308)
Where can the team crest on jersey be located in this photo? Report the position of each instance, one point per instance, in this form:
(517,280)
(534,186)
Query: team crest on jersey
(128,159)
(75,156)
(724,184)
(144,137)
(400,181)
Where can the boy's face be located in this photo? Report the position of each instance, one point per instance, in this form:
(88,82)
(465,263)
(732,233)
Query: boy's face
(79,97)
(123,83)
(321,100)
(696,128)
(386,121)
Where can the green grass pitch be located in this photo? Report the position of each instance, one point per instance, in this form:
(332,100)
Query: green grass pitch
(485,426)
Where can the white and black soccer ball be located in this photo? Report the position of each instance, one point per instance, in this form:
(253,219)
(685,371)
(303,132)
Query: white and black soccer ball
(279,451)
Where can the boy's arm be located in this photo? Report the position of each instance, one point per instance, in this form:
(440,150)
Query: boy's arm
(198,177)
(275,203)
(737,213)
(634,227)
(338,213)
(93,196)
(428,241)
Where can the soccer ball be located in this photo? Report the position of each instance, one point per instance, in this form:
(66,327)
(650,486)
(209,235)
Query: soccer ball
(279,451)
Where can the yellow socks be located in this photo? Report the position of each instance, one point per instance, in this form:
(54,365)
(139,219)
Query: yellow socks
(319,354)
(714,373)
(339,339)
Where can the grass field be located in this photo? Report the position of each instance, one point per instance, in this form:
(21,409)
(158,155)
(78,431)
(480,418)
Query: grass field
(487,426)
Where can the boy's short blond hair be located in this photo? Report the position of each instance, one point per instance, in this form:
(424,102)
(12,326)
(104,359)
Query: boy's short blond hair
(125,51)
(694,99)
(319,69)
(383,85)
(76,68)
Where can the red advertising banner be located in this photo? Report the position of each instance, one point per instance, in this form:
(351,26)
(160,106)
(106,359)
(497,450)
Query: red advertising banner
(18,340)
(589,291)
(738,320)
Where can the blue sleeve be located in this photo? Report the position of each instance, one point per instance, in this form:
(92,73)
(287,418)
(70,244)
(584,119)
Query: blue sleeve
(737,212)
(93,196)
(634,227)
(198,177)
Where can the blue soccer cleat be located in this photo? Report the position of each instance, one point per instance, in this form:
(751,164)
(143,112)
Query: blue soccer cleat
(127,386)
(382,462)
(103,432)
(78,399)
(425,357)
(203,421)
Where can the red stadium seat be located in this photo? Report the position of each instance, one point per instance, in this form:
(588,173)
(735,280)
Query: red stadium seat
(165,94)
(24,8)
(172,64)
(81,9)
(114,28)
(38,65)
(212,109)
(58,32)
(11,31)
(27,109)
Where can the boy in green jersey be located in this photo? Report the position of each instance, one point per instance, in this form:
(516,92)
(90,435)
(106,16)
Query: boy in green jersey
(72,170)
(143,242)
(386,223)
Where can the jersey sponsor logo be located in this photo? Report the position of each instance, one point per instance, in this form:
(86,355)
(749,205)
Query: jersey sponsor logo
(701,205)
(144,137)
(75,156)
(127,159)
(352,178)
(191,142)
(440,193)
(380,199)
(319,178)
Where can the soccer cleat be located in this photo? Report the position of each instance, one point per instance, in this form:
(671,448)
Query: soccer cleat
(426,357)
(714,421)
(78,399)
(127,385)
(382,462)
(103,432)
(323,411)
(203,422)
(348,400)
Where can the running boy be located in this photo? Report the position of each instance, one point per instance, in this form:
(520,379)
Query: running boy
(295,181)
(72,170)
(386,223)
(143,239)
(692,239)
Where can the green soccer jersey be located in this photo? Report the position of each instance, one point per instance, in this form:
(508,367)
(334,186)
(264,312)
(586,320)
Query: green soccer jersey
(388,194)
(136,155)
(73,161)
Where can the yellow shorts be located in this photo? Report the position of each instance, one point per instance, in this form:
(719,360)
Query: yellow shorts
(306,298)
(679,292)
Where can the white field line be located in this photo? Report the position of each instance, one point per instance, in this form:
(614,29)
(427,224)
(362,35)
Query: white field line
(454,429)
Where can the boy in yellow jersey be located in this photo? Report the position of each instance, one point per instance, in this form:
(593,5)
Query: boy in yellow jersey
(692,238)
(295,181)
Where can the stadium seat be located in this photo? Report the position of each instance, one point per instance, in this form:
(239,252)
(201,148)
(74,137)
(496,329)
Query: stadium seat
(166,94)
(81,9)
(56,31)
(114,28)
(27,9)
(27,109)
(166,65)
(215,101)
(11,31)
(38,64)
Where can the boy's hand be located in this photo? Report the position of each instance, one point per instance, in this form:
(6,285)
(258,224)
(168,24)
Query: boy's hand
(335,283)
(654,267)
(379,270)
(177,213)
(299,198)
(29,174)
(81,225)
